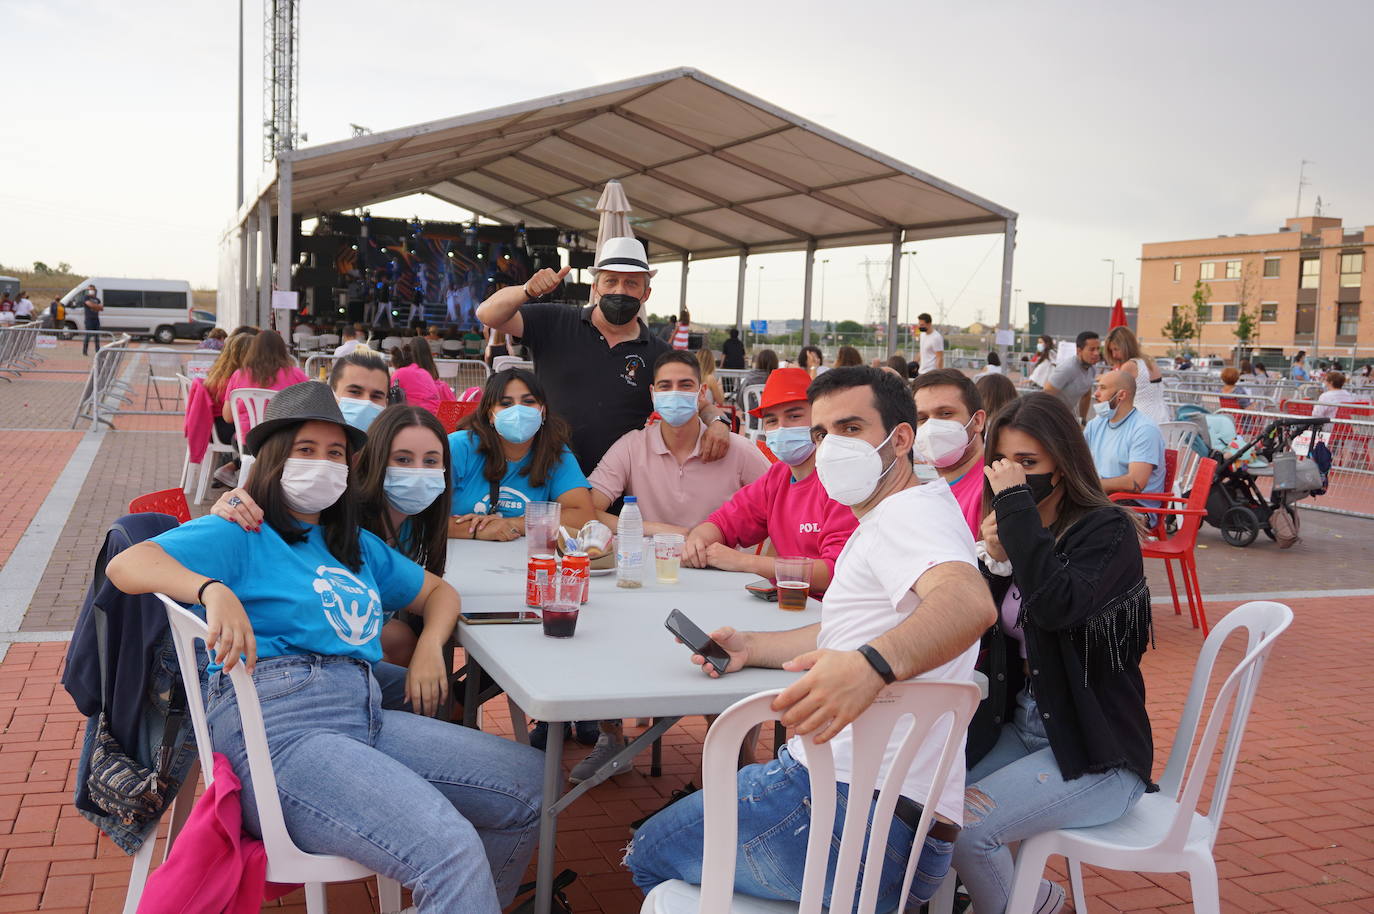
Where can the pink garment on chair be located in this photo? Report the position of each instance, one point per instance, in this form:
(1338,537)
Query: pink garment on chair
(199,420)
(214,868)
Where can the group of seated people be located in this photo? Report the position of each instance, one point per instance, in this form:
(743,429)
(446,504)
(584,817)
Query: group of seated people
(1011,553)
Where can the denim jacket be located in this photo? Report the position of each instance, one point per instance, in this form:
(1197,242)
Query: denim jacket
(141,670)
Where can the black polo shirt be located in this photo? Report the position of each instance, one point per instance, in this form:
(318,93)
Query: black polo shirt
(601,391)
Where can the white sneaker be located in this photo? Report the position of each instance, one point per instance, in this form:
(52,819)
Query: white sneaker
(607,747)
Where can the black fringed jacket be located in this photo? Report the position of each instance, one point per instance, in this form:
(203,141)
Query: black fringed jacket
(1085,611)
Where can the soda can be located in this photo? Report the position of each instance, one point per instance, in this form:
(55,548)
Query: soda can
(578,565)
(538,577)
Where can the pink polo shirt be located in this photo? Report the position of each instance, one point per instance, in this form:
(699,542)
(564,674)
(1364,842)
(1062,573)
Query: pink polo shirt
(968,492)
(798,517)
(640,464)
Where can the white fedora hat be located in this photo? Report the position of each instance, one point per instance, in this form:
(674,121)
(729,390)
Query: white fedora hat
(623,255)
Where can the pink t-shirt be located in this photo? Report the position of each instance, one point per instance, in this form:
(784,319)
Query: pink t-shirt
(641,465)
(968,492)
(285,378)
(798,517)
(421,389)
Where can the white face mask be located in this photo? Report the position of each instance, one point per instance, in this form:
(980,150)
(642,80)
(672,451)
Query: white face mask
(310,486)
(942,442)
(850,468)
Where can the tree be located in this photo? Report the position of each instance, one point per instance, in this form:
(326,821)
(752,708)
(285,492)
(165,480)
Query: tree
(1247,327)
(1178,330)
(849,327)
(1202,312)
(63,267)
(41,268)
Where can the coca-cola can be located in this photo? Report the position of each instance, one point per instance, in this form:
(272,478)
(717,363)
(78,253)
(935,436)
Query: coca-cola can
(578,565)
(538,577)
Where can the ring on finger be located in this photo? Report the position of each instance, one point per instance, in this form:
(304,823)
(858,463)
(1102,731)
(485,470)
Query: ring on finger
(235,501)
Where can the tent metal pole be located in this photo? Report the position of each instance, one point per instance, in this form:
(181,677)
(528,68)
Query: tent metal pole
(248,302)
(806,291)
(264,303)
(1008,252)
(739,291)
(893,292)
(284,230)
(682,293)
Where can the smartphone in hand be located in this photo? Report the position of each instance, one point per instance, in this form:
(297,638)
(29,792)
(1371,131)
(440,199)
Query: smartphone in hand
(692,636)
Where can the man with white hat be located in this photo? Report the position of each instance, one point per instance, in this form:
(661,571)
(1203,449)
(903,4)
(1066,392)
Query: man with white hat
(595,362)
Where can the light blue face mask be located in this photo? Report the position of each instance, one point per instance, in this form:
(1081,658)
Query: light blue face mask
(1103,408)
(791,445)
(518,423)
(677,407)
(359,413)
(412,489)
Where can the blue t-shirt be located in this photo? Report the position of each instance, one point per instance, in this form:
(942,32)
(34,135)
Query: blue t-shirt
(472,490)
(299,598)
(1135,439)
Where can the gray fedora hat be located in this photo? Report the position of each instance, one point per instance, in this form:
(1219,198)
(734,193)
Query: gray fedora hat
(303,402)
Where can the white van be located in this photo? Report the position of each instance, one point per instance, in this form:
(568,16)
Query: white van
(139,307)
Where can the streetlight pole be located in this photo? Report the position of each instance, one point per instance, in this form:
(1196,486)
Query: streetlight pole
(909,341)
(1123,289)
(1111,278)
(758,299)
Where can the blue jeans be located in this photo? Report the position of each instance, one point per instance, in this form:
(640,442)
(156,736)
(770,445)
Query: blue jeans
(451,813)
(774,812)
(1015,792)
(391,679)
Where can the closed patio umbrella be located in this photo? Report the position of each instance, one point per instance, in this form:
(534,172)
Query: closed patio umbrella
(1118,316)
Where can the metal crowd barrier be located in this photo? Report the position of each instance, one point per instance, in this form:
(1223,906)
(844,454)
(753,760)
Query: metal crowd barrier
(20,345)
(1350,484)
(121,373)
(460,374)
(1214,400)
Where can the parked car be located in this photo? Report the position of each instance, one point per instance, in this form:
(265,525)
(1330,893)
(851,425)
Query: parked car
(142,308)
(201,323)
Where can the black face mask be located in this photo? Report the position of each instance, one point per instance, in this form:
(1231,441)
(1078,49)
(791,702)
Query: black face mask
(619,309)
(1041,485)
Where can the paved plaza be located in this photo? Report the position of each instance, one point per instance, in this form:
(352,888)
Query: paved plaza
(1299,828)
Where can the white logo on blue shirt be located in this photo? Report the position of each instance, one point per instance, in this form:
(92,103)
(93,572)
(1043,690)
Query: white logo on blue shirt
(508,500)
(341,598)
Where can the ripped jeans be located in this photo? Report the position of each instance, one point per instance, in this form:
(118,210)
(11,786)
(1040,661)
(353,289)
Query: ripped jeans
(774,815)
(1015,792)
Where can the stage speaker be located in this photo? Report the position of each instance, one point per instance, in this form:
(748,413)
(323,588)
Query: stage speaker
(581,260)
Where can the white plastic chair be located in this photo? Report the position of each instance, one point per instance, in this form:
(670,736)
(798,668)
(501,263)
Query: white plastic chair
(914,707)
(750,398)
(1164,832)
(198,475)
(286,863)
(327,340)
(502,362)
(254,401)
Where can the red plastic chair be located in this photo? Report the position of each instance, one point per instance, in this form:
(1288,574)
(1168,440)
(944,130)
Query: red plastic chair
(1182,545)
(453,412)
(168,501)
(763,449)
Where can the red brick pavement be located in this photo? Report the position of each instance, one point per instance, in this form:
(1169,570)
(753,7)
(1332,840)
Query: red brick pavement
(1297,835)
(30,463)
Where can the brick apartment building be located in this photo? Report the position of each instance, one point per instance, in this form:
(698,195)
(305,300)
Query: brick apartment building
(1309,286)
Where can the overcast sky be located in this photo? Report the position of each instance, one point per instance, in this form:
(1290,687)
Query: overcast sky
(1104,125)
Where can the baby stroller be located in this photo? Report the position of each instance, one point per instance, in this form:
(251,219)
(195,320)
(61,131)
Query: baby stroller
(1235,504)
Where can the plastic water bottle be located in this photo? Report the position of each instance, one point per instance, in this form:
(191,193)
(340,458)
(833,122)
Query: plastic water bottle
(629,546)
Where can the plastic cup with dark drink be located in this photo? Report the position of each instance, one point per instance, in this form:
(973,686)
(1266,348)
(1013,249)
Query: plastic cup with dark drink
(794,582)
(560,613)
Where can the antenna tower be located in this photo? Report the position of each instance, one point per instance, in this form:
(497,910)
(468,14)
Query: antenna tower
(877,289)
(281,65)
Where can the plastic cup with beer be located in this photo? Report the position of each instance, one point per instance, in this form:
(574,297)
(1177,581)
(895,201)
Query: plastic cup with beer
(794,582)
(560,613)
(541,526)
(667,556)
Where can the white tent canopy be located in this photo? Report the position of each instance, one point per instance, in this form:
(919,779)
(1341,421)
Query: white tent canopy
(710,171)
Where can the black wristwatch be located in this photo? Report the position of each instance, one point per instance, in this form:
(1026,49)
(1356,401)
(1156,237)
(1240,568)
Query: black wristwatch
(721,417)
(876,661)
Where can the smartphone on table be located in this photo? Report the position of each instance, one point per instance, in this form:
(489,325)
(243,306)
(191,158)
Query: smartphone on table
(518,617)
(764,589)
(689,634)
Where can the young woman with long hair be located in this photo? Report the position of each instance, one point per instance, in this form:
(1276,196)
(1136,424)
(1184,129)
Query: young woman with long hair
(416,373)
(217,379)
(1044,361)
(267,365)
(1123,353)
(812,359)
(301,604)
(1063,739)
(846,356)
(765,363)
(401,477)
(706,361)
(997,391)
(513,452)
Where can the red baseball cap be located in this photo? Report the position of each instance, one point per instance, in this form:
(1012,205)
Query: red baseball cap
(784,385)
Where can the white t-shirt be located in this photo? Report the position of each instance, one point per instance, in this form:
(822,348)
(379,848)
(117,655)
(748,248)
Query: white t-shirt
(347,347)
(1337,397)
(23,308)
(931,343)
(871,593)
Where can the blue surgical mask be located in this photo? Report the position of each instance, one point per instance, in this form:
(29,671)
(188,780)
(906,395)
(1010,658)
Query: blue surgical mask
(791,445)
(1103,408)
(412,489)
(359,413)
(677,407)
(518,423)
